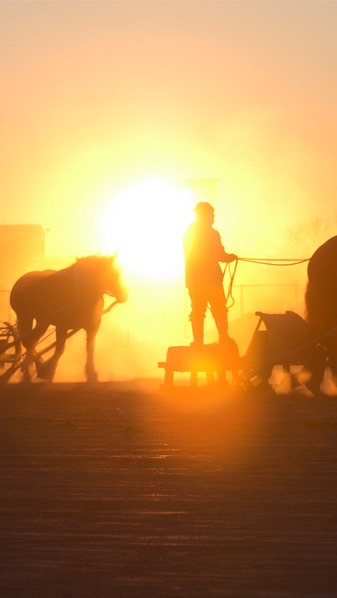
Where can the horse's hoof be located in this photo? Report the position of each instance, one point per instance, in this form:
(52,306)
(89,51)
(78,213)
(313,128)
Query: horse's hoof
(42,372)
(92,378)
(45,371)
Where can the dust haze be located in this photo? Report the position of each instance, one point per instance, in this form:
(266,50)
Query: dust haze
(134,336)
(99,95)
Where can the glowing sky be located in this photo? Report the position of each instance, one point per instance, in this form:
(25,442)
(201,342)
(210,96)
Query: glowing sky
(96,94)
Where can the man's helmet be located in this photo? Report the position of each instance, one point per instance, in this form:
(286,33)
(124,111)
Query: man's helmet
(203,207)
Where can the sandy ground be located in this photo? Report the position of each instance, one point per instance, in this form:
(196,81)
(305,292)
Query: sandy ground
(121,490)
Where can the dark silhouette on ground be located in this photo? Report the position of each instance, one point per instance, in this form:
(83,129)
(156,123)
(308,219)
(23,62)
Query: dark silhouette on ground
(203,251)
(321,300)
(284,340)
(70,299)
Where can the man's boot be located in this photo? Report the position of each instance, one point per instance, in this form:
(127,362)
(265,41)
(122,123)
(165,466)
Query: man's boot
(222,327)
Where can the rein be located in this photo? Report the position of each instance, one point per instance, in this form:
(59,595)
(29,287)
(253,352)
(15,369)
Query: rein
(232,272)
(109,307)
(274,261)
(253,260)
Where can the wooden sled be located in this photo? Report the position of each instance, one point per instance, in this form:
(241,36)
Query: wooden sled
(283,340)
(214,360)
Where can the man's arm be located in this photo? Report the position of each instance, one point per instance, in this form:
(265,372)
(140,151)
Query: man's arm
(222,255)
(230,257)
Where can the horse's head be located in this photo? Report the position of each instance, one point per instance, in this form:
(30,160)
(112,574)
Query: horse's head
(94,276)
(112,279)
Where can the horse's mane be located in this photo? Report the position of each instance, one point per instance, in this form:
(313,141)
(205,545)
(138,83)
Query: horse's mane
(89,263)
(89,259)
(88,271)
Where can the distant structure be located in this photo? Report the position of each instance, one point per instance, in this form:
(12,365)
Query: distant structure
(22,248)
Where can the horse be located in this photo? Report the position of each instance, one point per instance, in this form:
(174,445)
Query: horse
(321,300)
(69,299)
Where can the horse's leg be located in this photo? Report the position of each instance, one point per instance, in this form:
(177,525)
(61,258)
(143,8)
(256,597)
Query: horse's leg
(29,338)
(25,326)
(37,333)
(48,368)
(90,371)
(331,347)
(315,363)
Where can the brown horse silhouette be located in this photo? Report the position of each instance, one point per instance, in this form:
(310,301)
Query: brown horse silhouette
(321,300)
(69,299)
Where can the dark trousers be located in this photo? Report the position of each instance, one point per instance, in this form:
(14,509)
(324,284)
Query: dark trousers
(201,297)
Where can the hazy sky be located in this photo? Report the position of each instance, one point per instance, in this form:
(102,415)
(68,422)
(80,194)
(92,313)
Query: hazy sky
(97,94)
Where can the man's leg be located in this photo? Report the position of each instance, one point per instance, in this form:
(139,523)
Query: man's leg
(197,331)
(219,312)
(197,315)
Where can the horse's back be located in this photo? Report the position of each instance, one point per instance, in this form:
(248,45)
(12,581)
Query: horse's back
(324,260)
(27,289)
(321,291)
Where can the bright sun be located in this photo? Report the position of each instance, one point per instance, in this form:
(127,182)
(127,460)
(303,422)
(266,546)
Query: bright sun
(146,223)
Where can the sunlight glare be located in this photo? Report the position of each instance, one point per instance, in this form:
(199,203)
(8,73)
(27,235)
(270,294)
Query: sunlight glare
(146,222)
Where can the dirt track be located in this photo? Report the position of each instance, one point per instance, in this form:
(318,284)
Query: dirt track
(121,491)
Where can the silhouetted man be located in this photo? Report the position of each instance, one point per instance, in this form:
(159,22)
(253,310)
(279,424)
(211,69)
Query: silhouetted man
(203,251)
